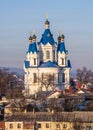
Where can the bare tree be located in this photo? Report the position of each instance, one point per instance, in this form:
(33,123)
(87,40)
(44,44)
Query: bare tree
(84,75)
(8,83)
(47,81)
(89,107)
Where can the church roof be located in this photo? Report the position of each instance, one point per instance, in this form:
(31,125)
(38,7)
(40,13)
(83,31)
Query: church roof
(32,47)
(47,37)
(48,64)
(61,47)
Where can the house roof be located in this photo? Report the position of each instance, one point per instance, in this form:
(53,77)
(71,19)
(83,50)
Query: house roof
(82,91)
(74,116)
(54,94)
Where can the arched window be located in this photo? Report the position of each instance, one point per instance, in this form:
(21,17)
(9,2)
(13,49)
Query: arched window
(62,61)
(41,55)
(42,76)
(65,60)
(59,78)
(34,61)
(63,77)
(34,77)
(53,55)
(47,55)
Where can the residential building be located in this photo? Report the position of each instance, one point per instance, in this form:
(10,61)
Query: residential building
(14,125)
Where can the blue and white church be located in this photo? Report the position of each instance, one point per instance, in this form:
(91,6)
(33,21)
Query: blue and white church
(46,57)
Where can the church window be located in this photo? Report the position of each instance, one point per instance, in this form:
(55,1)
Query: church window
(41,55)
(62,61)
(47,55)
(63,77)
(65,60)
(34,61)
(53,55)
(42,76)
(34,78)
(59,77)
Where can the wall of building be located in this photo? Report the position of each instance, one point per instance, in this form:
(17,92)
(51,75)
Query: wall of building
(13,125)
(2,125)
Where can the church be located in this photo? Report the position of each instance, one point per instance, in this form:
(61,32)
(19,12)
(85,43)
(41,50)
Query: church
(47,65)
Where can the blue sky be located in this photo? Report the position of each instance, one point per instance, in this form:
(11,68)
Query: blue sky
(20,17)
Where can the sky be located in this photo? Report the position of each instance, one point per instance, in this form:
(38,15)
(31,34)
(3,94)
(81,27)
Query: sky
(19,18)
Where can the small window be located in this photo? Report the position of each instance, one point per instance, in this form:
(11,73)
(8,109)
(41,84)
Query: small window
(82,127)
(59,78)
(34,61)
(62,61)
(18,125)
(88,127)
(65,60)
(53,55)
(11,126)
(57,125)
(0,128)
(34,78)
(64,125)
(77,127)
(63,77)
(42,76)
(47,125)
(47,55)
(39,125)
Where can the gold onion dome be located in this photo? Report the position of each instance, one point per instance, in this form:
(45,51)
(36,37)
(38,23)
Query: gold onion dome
(59,38)
(34,36)
(30,38)
(47,22)
(62,37)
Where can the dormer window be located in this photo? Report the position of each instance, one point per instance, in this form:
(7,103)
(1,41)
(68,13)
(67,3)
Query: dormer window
(47,55)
